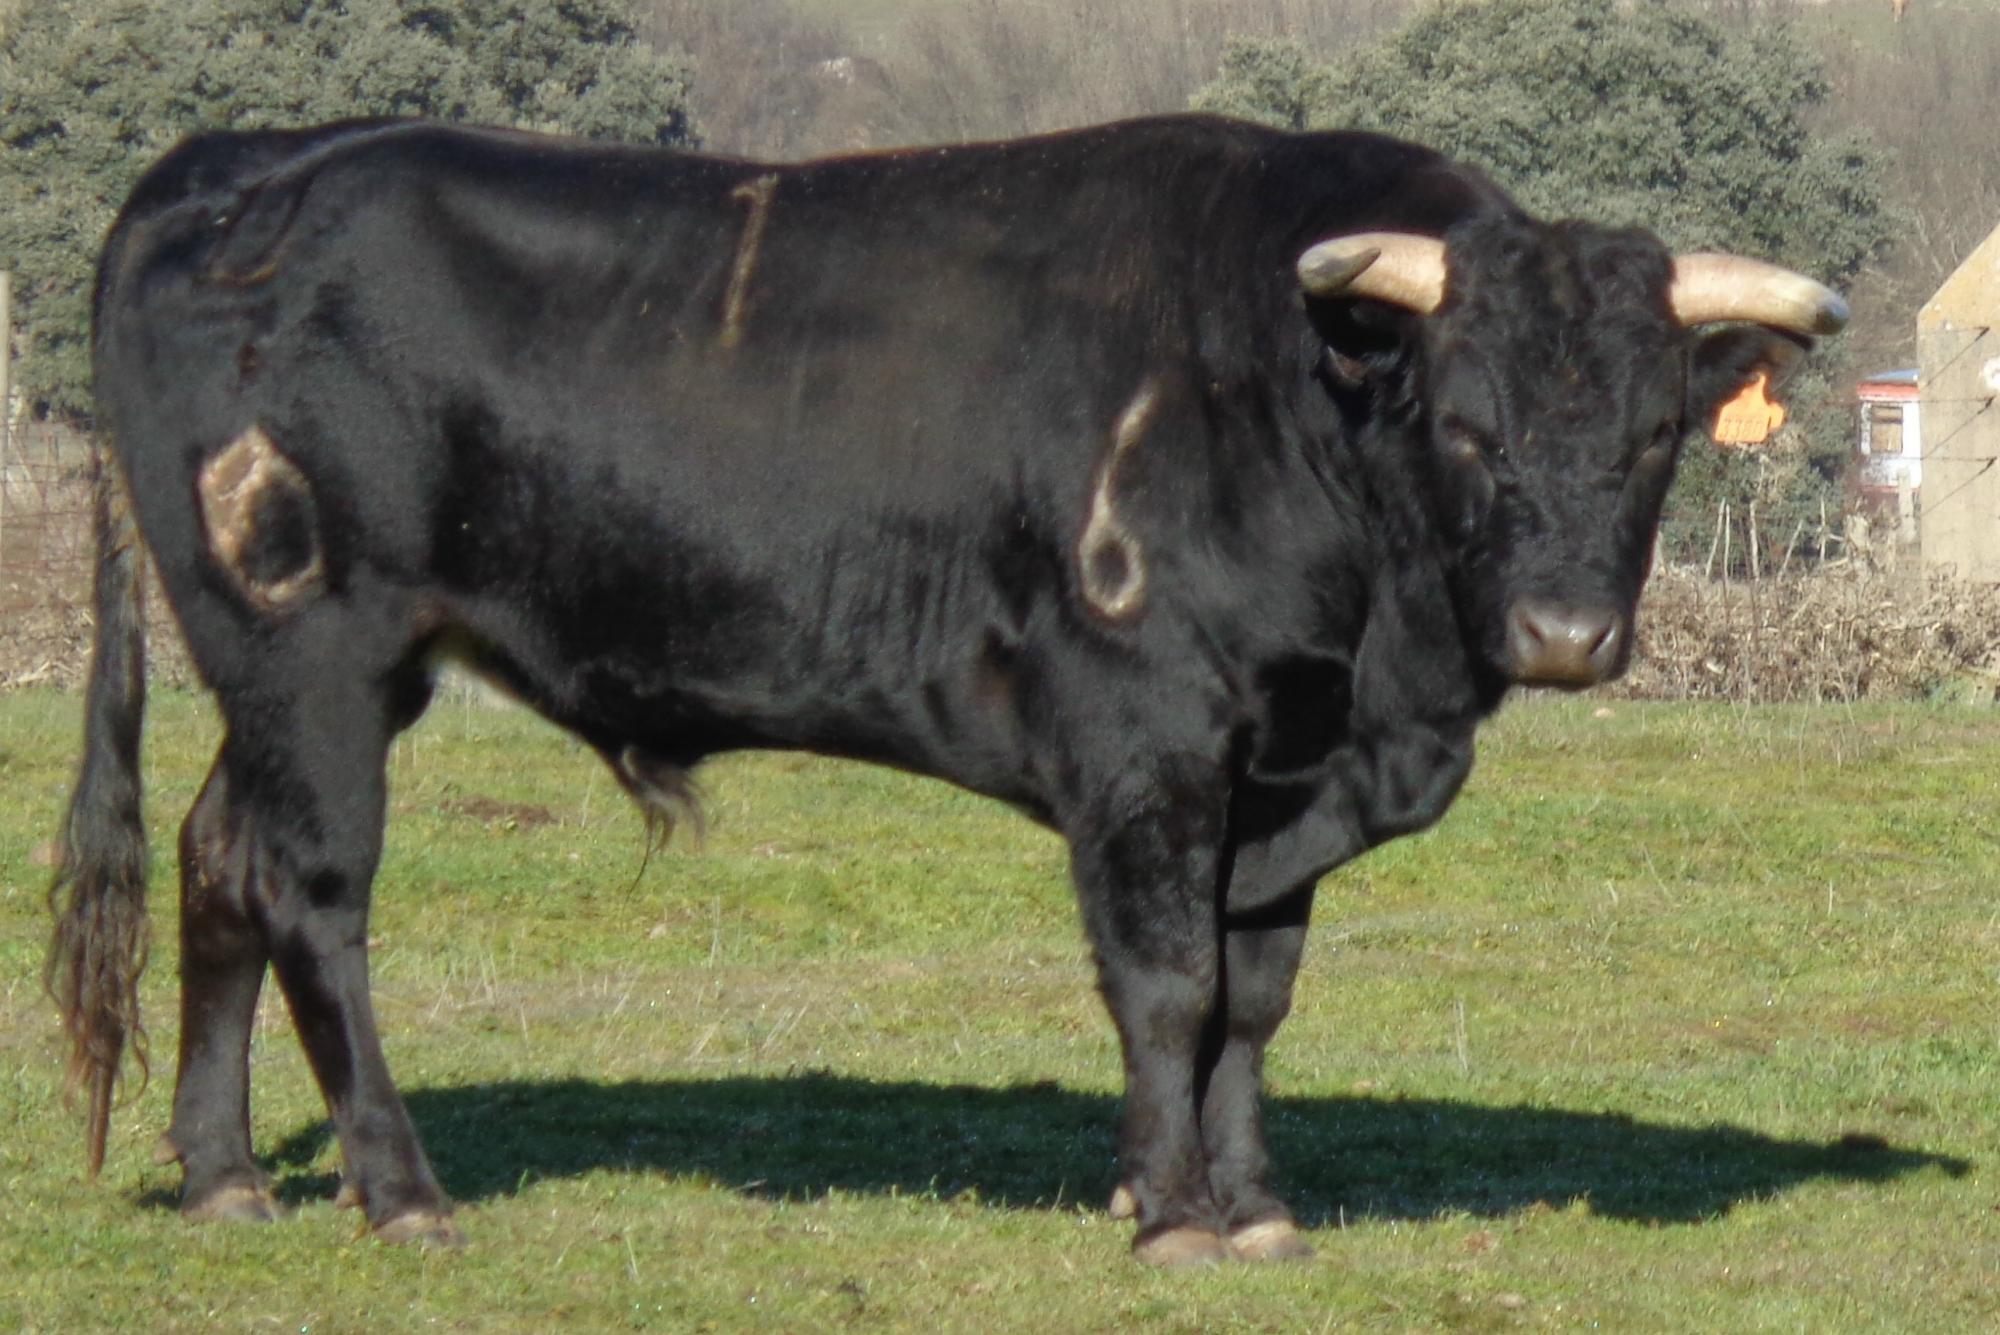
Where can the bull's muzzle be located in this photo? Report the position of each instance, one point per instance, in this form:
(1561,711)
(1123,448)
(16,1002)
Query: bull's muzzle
(1551,644)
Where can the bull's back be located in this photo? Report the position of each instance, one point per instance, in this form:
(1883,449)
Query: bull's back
(703,445)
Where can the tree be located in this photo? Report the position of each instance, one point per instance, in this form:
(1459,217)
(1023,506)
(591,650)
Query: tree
(91,91)
(1629,115)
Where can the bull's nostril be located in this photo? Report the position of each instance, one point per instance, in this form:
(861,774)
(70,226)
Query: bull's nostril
(1609,650)
(1551,644)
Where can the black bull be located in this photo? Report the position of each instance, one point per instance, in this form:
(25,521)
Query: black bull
(1192,487)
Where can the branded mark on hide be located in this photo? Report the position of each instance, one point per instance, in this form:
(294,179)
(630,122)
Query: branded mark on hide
(757,195)
(262,522)
(1109,558)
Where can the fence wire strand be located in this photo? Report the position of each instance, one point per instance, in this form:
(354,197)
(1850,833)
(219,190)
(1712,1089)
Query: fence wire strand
(44,516)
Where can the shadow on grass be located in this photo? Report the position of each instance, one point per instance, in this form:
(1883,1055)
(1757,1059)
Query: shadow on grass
(1040,1145)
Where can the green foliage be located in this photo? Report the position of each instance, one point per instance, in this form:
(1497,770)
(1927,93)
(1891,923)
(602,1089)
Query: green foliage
(1273,80)
(1629,115)
(92,90)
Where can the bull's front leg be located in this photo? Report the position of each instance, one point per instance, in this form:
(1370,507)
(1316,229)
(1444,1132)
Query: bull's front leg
(1146,861)
(1260,961)
(1387,788)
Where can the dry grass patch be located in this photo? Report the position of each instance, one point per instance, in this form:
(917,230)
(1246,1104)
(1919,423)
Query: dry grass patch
(1844,632)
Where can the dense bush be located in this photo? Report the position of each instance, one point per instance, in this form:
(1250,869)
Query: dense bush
(1640,115)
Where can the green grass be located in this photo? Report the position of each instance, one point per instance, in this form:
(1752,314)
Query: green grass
(1685,1019)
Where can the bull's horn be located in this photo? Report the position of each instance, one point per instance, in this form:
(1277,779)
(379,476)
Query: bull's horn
(1709,287)
(1387,266)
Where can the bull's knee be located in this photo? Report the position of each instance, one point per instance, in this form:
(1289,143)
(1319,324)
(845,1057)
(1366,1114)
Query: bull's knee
(262,522)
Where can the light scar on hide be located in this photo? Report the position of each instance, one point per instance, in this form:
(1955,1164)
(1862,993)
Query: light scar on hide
(757,194)
(1109,558)
(262,522)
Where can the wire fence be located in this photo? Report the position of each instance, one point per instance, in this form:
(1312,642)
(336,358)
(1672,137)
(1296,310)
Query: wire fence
(44,516)
(45,552)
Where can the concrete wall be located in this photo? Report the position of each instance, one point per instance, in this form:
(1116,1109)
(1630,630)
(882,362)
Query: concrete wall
(1958,355)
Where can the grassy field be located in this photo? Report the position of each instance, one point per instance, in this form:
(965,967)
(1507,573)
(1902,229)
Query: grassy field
(1685,1019)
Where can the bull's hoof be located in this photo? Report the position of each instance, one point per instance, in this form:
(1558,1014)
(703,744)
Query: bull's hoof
(348,1197)
(1272,1240)
(1179,1248)
(238,1203)
(1124,1205)
(425,1228)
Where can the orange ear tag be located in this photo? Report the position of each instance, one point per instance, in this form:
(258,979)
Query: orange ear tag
(1750,417)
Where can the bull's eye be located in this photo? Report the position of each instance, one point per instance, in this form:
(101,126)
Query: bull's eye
(1471,445)
(1474,484)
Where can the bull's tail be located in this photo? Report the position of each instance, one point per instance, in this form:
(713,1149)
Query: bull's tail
(99,896)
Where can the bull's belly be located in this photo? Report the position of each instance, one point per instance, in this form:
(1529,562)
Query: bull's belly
(638,710)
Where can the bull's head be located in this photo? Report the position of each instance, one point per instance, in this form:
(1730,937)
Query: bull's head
(1558,368)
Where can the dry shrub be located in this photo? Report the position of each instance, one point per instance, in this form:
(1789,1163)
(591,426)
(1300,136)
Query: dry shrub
(45,566)
(1842,632)
(771,79)
(44,641)
(45,634)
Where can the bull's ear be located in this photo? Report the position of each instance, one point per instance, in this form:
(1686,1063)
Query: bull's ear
(1363,292)
(1726,361)
(1361,337)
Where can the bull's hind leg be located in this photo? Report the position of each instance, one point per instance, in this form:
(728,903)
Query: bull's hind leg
(222,971)
(305,762)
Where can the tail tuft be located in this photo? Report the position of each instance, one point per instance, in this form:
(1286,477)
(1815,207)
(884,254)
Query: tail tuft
(98,898)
